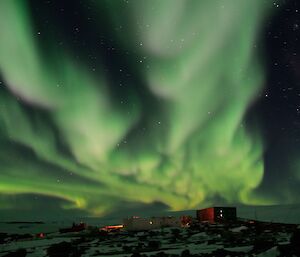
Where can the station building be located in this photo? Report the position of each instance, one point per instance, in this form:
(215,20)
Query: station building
(138,224)
(216,214)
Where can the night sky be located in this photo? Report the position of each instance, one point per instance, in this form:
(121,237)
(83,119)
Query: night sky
(168,104)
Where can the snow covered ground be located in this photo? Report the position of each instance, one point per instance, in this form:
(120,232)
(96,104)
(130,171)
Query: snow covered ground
(238,239)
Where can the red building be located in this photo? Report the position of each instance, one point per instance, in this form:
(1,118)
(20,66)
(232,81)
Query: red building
(217,214)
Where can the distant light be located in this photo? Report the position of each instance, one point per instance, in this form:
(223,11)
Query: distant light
(151,222)
(112,228)
(41,235)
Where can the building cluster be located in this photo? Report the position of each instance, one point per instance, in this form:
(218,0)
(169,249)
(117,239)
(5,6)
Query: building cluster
(208,215)
(211,215)
(137,223)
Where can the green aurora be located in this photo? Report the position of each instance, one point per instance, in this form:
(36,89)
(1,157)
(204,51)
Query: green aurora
(177,132)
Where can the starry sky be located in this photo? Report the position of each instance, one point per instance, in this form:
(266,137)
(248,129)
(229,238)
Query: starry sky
(129,104)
